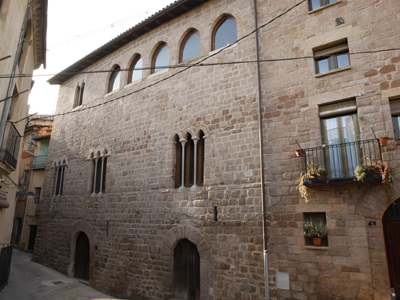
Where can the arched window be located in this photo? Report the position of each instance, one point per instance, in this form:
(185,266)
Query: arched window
(190,46)
(115,79)
(161,58)
(99,170)
(80,102)
(59,170)
(225,33)
(189,162)
(136,67)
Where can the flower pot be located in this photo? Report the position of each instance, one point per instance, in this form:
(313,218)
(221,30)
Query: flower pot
(298,152)
(313,177)
(317,241)
(321,176)
(369,172)
(383,140)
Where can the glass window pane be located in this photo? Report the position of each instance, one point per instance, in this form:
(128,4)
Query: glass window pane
(162,59)
(225,34)
(343,60)
(115,79)
(396,127)
(191,48)
(137,74)
(331,1)
(323,65)
(314,4)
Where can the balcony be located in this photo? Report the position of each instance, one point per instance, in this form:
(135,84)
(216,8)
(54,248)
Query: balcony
(340,161)
(10,146)
(39,162)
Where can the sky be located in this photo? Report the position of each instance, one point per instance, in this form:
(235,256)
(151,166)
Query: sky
(77,27)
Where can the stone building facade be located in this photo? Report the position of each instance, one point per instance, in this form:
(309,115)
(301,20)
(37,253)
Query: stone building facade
(23,27)
(151,178)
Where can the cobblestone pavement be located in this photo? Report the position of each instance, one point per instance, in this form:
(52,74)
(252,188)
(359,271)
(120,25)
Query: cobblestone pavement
(32,281)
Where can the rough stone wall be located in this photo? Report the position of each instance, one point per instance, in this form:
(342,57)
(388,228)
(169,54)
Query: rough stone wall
(140,206)
(354,265)
(141,217)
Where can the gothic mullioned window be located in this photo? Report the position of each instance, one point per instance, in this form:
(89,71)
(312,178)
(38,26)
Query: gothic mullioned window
(115,79)
(136,69)
(161,58)
(78,100)
(59,170)
(189,161)
(98,158)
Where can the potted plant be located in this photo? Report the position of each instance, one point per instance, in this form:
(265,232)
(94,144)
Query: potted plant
(321,173)
(312,171)
(315,230)
(383,140)
(298,151)
(303,190)
(360,173)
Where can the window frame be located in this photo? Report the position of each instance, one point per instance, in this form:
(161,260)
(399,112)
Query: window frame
(394,104)
(310,6)
(217,26)
(183,44)
(331,52)
(155,55)
(308,242)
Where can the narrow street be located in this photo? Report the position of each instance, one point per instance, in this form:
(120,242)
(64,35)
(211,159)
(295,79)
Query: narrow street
(32,281)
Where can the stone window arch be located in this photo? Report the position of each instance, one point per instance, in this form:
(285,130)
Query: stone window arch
(135,68)
(78,99)
(98,158)
(225,32)
(190,47)
(115,79)
(160,59)
(59,173)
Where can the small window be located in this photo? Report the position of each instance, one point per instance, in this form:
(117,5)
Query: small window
(314,4)
(99,171)
(161,58)
(37,195)
(315,219)
(191,47)
(115,79)
(25,178)
(136,68)
(332,58)
(30,143)
(225,34)
(395,111)
(59,175)
(78,100)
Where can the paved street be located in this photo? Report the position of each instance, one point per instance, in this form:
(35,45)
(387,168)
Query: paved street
(32,281)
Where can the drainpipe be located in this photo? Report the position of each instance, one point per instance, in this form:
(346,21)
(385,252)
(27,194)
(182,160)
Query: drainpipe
(265,243)
(14,70)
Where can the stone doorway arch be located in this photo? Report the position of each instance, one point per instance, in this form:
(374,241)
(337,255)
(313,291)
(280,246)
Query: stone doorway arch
(391,230)
(81,232)
(193,235)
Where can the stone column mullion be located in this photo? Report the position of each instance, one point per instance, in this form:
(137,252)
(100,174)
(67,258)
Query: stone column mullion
(195,140)
(102,174)
(94,177)
(183,142)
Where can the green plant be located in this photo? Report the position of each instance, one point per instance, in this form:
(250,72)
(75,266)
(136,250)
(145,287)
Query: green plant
(360,173)
(312,168)
(313,229)
(321,170)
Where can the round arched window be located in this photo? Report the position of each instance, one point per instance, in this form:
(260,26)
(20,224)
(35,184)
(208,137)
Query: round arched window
(161,58)
(115,80)
(225,34)
(191,47)
(136,67)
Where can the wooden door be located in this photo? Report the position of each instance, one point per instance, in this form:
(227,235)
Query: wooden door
(82,257)
(186,271)
(391,225)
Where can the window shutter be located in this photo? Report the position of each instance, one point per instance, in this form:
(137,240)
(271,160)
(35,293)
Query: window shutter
(332,50)
(395,107)
(339,108)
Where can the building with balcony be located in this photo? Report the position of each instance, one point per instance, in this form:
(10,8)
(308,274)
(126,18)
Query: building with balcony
(30,183)
(23,26)
(172,171)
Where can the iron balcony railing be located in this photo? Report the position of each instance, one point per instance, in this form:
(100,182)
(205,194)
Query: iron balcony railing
(39,162)
(10,146)
(337,162)
(5,264)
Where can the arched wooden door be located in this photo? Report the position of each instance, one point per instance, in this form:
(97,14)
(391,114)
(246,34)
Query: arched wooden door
(391,227)
(186,271)
(82,257)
